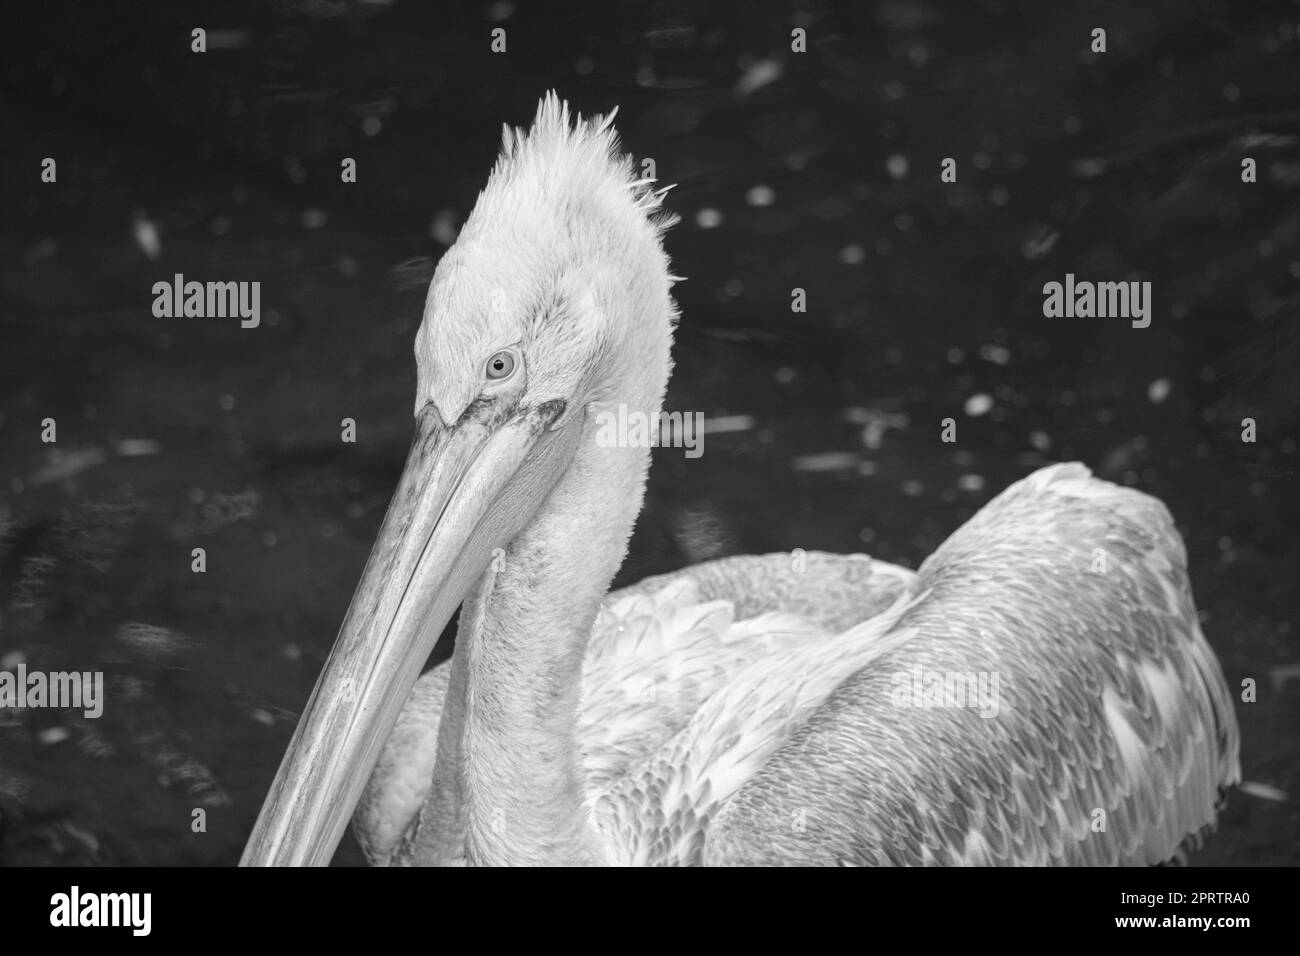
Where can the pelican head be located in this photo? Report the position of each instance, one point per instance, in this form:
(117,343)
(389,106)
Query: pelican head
(553,302)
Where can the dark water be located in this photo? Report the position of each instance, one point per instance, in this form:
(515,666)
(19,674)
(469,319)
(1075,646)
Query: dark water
(817,171)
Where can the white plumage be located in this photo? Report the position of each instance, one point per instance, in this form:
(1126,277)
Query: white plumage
(1123,720)
(747,710)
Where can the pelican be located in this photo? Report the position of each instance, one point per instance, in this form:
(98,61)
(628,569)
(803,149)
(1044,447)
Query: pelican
(810,710)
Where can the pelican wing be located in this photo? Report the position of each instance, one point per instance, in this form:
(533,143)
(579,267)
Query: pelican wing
(1040,692)
(833,591)
(1108,741)
(663,647)
(659,650)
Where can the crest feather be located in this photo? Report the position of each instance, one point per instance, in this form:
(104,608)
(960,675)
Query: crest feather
(566,151)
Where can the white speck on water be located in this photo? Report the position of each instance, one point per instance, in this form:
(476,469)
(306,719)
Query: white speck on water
(758,75)
(150,639)
(785,375)
(913,488)
(852,255)
(145,231)
(826,461)
(1039,243)
(1089,168)
(136,447)
(1263,791)
(314,218)
(896,166)
(1159,390)
(708,218)
(874,423)
(971,482)
(53,735)
(371,125)
(981,403)
(1040,440)
(997,354)
(443,228)
(760,195)
(722,424)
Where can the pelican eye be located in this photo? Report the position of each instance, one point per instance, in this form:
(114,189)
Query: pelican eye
(501,366)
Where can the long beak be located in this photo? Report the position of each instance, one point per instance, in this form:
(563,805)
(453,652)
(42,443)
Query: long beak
(464,491)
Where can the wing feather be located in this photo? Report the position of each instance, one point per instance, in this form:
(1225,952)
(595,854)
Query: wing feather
(740,711)
(1115,732)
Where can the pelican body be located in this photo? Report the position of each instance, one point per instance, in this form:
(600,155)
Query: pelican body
(1038,692)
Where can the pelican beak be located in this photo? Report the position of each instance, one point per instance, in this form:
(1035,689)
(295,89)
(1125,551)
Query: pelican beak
(465,491)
